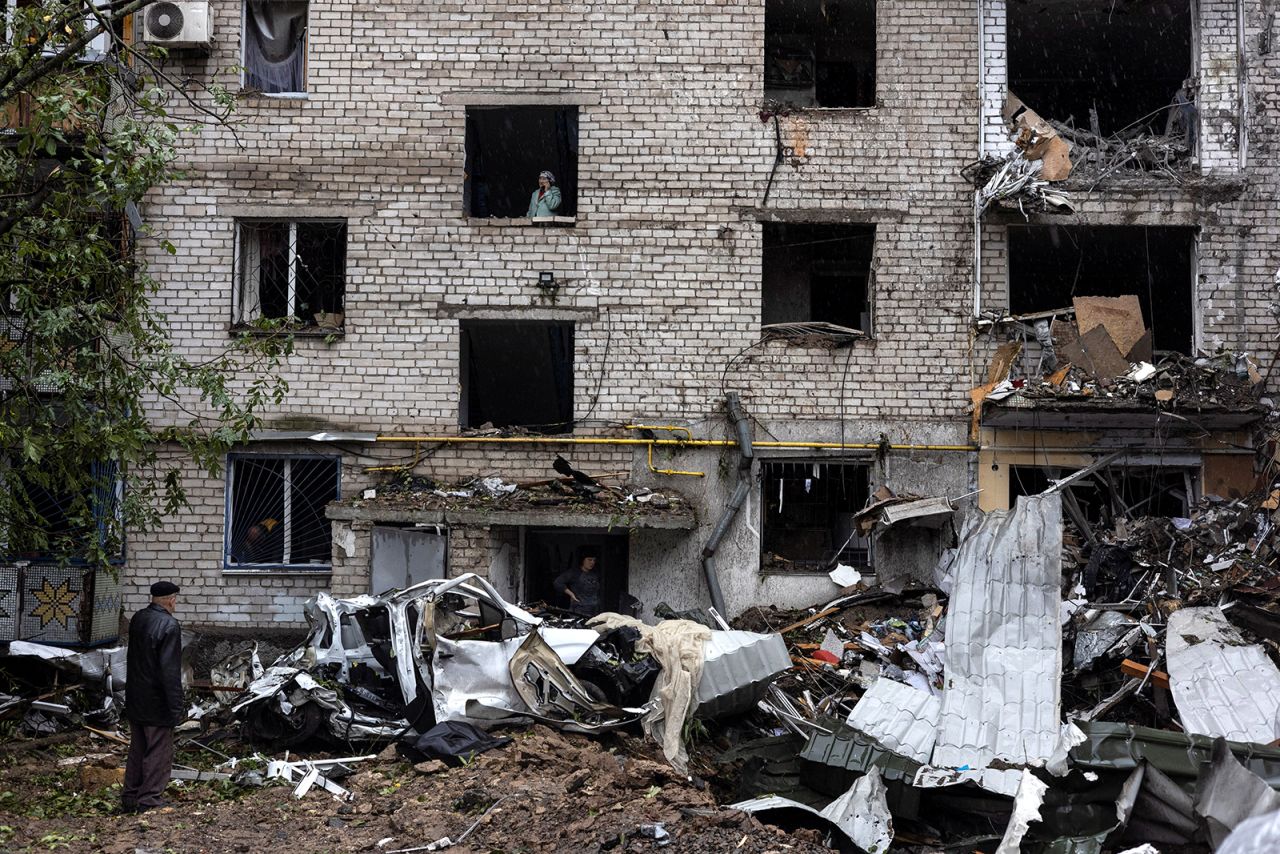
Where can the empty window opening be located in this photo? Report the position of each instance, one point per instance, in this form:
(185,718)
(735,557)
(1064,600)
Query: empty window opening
(521,162)
(275,46)
(1115,492)
(1050,265)
(291,271)
(276,511)
(554,561)
(1122,61)
(820,53)
(817,274)
(517,373)
(808,509)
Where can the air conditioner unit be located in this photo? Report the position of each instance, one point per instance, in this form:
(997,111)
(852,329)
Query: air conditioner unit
(184,23)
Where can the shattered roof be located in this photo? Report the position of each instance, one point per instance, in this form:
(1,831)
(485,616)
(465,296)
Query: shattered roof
(492,501)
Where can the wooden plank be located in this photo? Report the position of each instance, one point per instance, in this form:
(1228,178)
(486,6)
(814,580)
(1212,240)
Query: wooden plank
(807,620)
(1136,669)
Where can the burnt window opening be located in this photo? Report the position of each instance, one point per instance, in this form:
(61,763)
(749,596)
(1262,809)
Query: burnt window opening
(820,53)
(808,510)
(1049,265)
(508,150)
(1115,492)
(291,271)
(275,512)
(1126,60)
(517,373)
(275,46)
(817,274)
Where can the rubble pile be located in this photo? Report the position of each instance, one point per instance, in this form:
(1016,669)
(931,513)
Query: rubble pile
(1099,351)
(1046,153)
(576,490)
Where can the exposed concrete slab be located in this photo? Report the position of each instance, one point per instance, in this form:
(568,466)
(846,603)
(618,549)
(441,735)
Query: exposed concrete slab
(548,518)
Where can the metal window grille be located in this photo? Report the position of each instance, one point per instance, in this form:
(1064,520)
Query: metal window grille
(275,511)
(293,271)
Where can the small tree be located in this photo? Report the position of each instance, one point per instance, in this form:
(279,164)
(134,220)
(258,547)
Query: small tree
(84,355)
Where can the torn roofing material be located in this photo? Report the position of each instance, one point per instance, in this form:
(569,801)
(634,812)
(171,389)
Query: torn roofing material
(1002,686)
(1122,747)
(1221,685)
(900,718)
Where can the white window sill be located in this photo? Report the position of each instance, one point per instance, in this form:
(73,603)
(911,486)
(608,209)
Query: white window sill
(316,570)
(523,221)
(273,96)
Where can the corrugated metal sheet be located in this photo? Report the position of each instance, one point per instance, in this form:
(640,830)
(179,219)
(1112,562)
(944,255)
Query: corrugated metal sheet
(1221,685)
(1001,694)
(737,668)
(900,718)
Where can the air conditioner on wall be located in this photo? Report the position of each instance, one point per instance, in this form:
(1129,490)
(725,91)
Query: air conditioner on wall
(185,23)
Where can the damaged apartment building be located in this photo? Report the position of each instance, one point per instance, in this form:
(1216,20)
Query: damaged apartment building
(685,286)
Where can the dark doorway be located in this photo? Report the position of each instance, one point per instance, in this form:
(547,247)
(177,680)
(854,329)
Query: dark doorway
(517,373)
(1126,59)
(817,273)
(820,53)
(507,148)
(1051,264)
(551,551)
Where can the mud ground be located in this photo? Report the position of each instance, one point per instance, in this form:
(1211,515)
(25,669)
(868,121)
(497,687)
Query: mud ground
(546,791)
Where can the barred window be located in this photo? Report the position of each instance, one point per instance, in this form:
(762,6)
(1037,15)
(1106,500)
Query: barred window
(808,508)
(291,271)
(275,511)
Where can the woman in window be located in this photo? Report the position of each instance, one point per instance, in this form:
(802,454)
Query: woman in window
(546,199)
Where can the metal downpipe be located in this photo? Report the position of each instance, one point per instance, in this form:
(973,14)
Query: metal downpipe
(743,427)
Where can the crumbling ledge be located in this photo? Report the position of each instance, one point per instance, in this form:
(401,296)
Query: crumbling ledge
(671,519)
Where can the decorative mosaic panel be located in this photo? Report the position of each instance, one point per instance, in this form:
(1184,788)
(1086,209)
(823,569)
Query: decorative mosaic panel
(8,603)
(105,626)
(52,604)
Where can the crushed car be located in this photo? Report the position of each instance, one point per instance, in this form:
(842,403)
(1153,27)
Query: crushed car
(381,667)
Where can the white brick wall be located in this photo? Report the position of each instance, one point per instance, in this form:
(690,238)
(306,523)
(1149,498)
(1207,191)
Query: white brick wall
(662,269)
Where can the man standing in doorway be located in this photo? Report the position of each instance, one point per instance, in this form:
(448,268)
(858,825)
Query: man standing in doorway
(153,699)
(581,587)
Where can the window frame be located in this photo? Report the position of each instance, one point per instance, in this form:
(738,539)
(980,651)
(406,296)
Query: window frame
(238,321)
(104,504)
(867,468)
(819,108)
(860,333)
(306,58)
(228,518)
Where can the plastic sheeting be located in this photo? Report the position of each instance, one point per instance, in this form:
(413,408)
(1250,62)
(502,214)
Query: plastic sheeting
(1004,644)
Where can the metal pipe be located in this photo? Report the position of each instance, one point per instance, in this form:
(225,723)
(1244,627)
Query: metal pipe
(743,426)
(1242,73)
(690,443)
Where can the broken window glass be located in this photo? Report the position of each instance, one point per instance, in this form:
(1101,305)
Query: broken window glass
(292,271)
(275,46)
(820,53)
(1101,66)
(517,374)
(521,161)
(808,510)
(817,274)
(276,515)
(1050,265)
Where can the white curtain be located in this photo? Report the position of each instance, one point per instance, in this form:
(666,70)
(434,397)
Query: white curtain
(275,45)
(250,305)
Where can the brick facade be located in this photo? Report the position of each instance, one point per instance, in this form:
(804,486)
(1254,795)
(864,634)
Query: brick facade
(661,273)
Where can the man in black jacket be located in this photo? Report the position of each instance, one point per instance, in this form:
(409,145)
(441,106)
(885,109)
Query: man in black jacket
(153,699)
